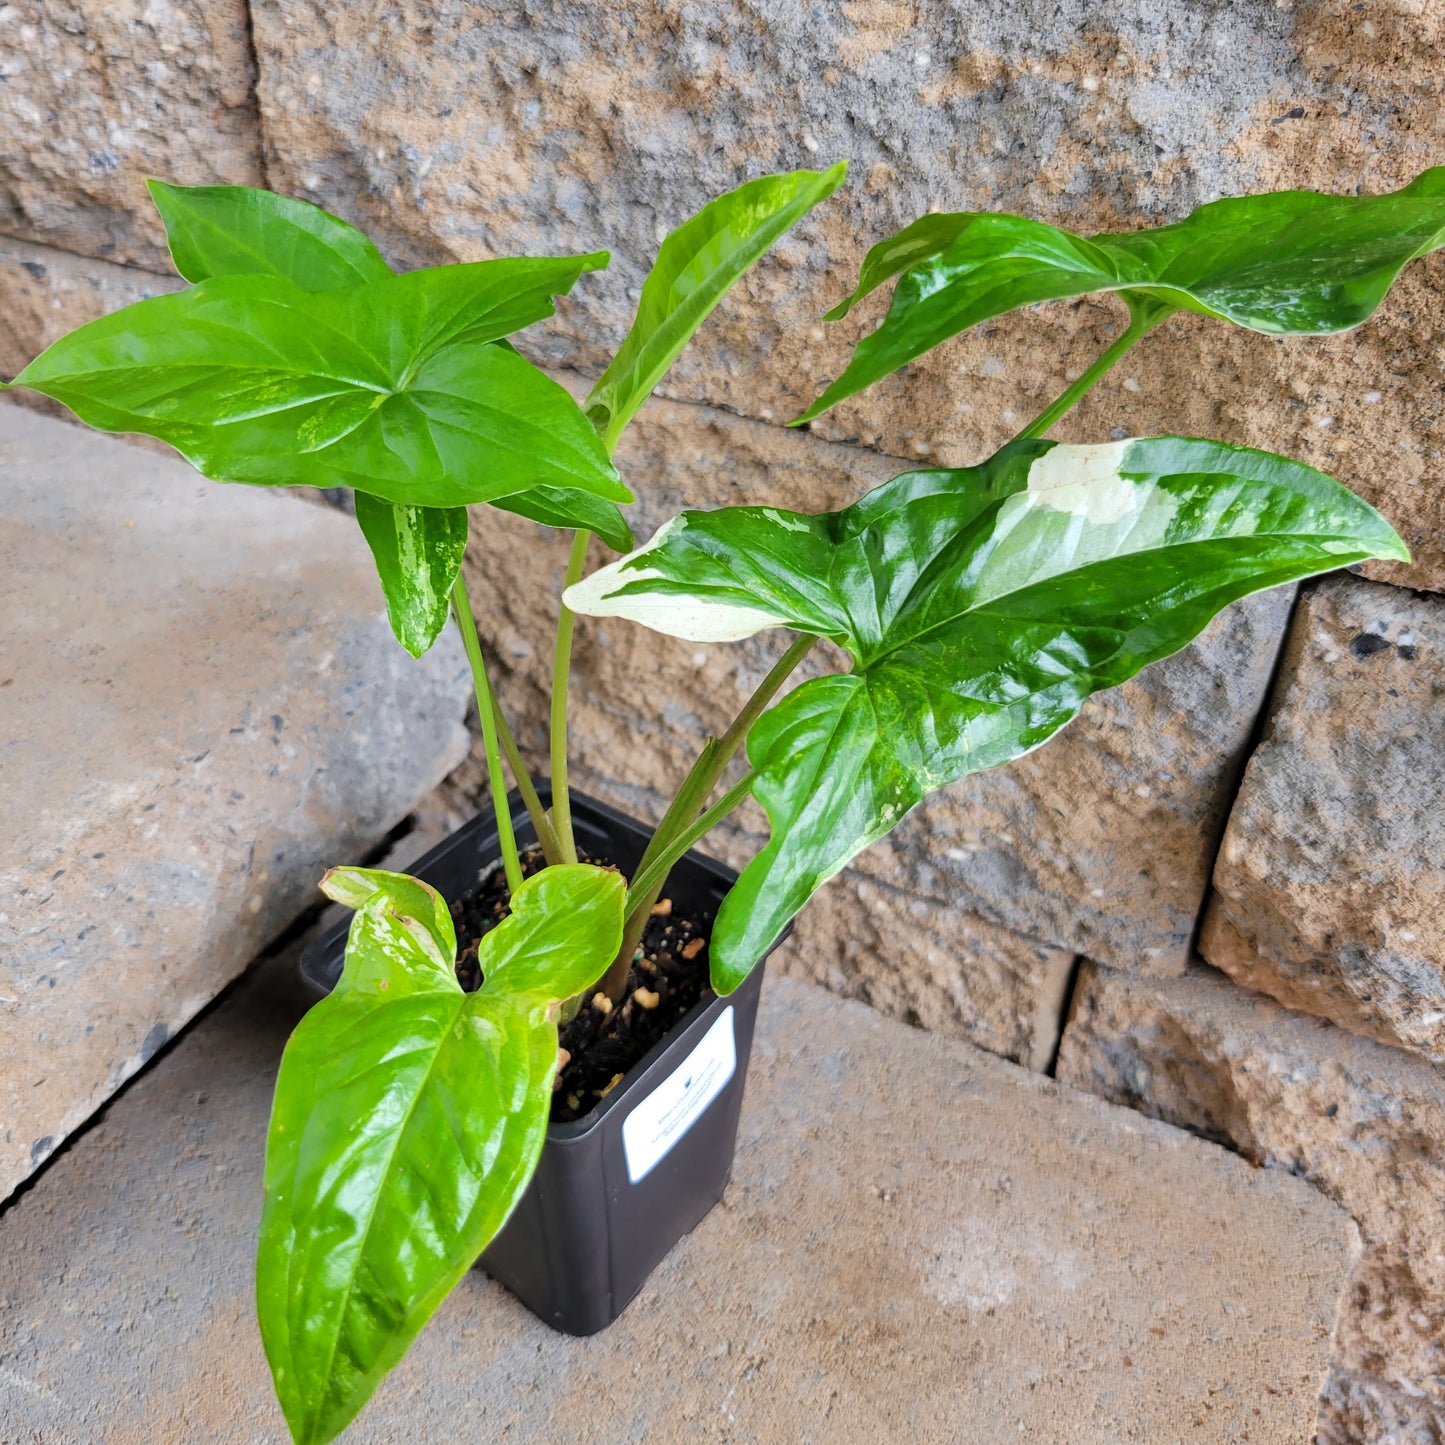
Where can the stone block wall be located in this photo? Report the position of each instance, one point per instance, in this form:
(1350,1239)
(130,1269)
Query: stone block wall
(1217,896)
(1329,892)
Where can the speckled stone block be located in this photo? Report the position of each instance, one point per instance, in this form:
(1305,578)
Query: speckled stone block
(98,95)
(201,709)
(919,1241)
(1329,892)
(945,969)
(1358,1409)
(453,130)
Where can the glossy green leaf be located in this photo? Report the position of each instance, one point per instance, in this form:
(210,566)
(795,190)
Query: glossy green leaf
(386,387)
(418,553)
(695,267)
(234,230)
(404,945)
(407,1121)
(571,510)
(1285,263)
(239,231)
(561,925)
(566,507)
(981,607)
(413,903)
(409,898)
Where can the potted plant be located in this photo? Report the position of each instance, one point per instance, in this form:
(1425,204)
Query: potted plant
(978,608)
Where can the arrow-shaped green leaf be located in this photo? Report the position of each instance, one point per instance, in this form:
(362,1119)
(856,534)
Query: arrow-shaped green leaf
(1285,263)
(236,230)
(407,1121)
(387,387)
(981,607)
(694,269)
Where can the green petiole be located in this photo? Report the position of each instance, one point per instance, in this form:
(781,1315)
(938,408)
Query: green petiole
(487,710)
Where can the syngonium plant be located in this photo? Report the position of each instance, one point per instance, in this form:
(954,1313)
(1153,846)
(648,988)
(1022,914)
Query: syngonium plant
(978,608)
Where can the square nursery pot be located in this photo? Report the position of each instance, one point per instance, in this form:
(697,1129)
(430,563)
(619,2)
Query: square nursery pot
(616,1189)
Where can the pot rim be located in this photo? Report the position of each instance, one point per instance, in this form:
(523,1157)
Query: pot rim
(699,1017)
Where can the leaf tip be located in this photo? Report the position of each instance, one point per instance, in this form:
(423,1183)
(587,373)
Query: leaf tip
(724,975)
(416,645)
(346,885)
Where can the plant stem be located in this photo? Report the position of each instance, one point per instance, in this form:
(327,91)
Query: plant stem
(487,709)
(778,674)
(716,754)
(561,671)
(1143,316)
(541,823)
(654,876)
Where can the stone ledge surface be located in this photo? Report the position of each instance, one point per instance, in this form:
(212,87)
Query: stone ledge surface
(1362,1122)
(201,708)
(919,1240)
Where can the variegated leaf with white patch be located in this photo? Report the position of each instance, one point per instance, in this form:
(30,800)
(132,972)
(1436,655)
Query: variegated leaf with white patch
(981,608)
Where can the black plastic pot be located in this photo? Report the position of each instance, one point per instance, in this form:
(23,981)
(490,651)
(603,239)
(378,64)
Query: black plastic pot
(616,1189)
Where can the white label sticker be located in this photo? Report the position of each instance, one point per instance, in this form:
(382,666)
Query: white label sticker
(668,1112)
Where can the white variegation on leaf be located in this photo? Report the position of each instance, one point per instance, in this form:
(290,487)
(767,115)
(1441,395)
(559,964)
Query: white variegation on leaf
(1086,481)
(981,608)
(694,619)
(418,553)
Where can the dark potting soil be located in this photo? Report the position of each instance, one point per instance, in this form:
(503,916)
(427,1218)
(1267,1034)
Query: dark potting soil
(602,1044)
